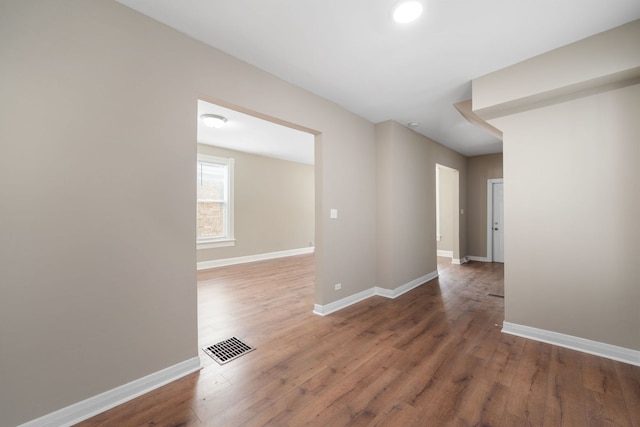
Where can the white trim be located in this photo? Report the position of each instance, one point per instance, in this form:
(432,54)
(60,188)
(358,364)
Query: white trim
(87,408)
(323,310)
(394,293)
(203,265)
(490,183)
(601,349)
(215,244)
(477,258)
(332,307)
(459,261)
(446,254)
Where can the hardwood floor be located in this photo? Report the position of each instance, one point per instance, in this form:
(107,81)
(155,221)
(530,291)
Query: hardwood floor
(432,357)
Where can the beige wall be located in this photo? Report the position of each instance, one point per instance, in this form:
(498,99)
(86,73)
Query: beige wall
(406,203)
(572,242)
(448,208)
(571,191)
(98,126)
(562,73)
(479,170)
(274,205)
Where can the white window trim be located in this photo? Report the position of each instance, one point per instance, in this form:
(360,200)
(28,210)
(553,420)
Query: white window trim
(229,240)
(218,243)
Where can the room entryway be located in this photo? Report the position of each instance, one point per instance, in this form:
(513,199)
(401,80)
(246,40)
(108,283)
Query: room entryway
(448,213)
(495,220)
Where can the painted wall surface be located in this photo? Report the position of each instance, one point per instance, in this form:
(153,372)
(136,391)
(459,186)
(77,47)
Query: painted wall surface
(479,170)
(98,201)
(572,235)
(98,198)
(406,203)
(274,205)
(563,72)
(571,218)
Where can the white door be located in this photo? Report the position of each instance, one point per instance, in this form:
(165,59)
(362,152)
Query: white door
(497,223)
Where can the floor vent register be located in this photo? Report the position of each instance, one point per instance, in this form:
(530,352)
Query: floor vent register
(227,350)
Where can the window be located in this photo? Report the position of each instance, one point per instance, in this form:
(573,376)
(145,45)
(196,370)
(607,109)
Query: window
(214,202)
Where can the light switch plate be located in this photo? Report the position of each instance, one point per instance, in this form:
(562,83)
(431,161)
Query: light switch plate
(333,213)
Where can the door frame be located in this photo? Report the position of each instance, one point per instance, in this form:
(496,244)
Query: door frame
(490,183)
(455,252)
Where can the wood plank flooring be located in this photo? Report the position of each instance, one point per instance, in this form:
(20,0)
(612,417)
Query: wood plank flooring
(432,357)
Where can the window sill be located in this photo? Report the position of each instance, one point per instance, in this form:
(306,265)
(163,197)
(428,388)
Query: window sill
(215,244)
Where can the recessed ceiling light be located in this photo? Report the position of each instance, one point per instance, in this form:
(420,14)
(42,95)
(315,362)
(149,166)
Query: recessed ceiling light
(407,12)
(414,124)
(213,120)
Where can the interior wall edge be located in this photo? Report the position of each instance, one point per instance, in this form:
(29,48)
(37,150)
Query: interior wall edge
(609,351)
(102,402)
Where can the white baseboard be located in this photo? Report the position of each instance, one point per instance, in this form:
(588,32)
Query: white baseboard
(449,254)
(204,265)
(477,258)
(394,293)
(85,409)
(332,307)
(608,351)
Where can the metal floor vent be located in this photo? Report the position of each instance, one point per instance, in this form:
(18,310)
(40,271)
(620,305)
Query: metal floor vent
(227,350)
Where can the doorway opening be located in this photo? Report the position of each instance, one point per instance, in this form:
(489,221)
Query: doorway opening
(269,195)
(495,220)
(273,192)
(448,213)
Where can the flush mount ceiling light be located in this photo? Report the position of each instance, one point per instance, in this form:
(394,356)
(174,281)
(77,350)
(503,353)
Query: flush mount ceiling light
(407,12)
(213,120)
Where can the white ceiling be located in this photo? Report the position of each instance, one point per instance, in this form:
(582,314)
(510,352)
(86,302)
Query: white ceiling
(249,134)
(351,52)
